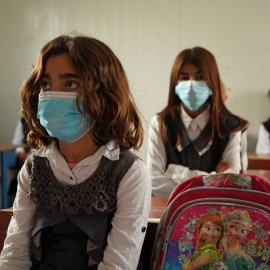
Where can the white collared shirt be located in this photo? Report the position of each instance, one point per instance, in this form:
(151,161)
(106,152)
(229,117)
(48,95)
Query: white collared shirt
(201,120)
(128,225)
(263,142)
(164,180)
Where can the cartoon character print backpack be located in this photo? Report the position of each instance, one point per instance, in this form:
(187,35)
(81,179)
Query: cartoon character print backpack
(217,222)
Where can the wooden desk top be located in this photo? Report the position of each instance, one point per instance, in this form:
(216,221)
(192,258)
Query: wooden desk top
(258,161)
(157,207)
(7,146)
(258,156)
(261,173)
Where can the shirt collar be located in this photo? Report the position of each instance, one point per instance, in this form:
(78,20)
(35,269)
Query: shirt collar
(201,119)
(111,151)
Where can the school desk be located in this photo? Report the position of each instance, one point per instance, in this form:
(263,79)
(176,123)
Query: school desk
(5,216)
(258,161)
(8,159)
(261,173)
(158,205)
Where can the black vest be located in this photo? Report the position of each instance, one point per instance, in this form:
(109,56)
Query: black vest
(266,124)
(196,155)
(69,216)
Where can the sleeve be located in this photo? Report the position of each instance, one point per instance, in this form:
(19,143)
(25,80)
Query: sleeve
(18,137)
(129,224)
(263,142)
(213,255)
(15,253)
(164,180)
(244,151)
(232,153)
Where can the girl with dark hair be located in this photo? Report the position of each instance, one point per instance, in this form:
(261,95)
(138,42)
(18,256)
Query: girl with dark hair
(83,197)
(195,133)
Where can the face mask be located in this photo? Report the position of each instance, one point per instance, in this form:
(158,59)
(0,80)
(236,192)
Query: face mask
(58,113)
(193,93)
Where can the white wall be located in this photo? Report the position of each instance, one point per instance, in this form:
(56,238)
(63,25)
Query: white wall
(146,35)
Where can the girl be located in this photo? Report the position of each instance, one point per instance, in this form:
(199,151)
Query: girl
(237,227)
(263,142)
(83,198)
(210,233)
(252,247)
(195,133)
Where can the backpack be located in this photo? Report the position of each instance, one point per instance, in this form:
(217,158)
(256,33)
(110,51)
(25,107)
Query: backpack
(219,221)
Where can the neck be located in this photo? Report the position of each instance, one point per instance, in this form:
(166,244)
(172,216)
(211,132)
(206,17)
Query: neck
(234,246)
(79,150)
(194,114)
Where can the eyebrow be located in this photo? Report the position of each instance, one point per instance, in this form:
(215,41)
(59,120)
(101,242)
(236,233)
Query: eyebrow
(184,73)
(239,223)
(62,76)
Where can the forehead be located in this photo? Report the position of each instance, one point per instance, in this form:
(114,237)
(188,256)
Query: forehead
(210,223)
(60,63)
(240,223)
(190,68)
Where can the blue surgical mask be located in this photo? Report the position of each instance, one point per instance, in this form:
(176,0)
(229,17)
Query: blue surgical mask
(58,113)
(193,93)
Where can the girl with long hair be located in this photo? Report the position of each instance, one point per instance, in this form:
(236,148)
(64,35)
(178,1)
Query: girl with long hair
(195,133)
(83,197)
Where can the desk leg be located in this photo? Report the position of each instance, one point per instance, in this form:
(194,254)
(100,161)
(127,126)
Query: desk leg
(8,159)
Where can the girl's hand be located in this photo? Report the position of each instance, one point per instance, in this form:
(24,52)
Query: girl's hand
(223,166)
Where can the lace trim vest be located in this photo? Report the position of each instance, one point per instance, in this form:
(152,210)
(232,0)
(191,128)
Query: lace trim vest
(97,193)
(88,206)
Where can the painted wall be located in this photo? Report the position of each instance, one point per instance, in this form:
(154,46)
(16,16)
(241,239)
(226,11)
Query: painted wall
(146,35)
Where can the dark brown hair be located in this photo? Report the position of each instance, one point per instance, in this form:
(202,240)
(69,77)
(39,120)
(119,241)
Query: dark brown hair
(205,60)
(105,91)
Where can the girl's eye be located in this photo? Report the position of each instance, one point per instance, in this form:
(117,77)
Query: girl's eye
(232,228)
(44,85)
(183,78)
(199,78)
(72,85)
(218,230)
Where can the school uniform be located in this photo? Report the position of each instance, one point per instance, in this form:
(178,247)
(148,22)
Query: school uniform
(20,136)
(263,142)
(170,166)
(124,220)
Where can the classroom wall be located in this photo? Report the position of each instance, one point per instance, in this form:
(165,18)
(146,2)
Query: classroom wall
(146,35)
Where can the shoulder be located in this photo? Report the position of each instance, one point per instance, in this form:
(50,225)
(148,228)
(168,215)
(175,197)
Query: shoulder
(154,124)
(266,125)
(230,120)
(43,152)
(155,119)
(267,122)
(137,173)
